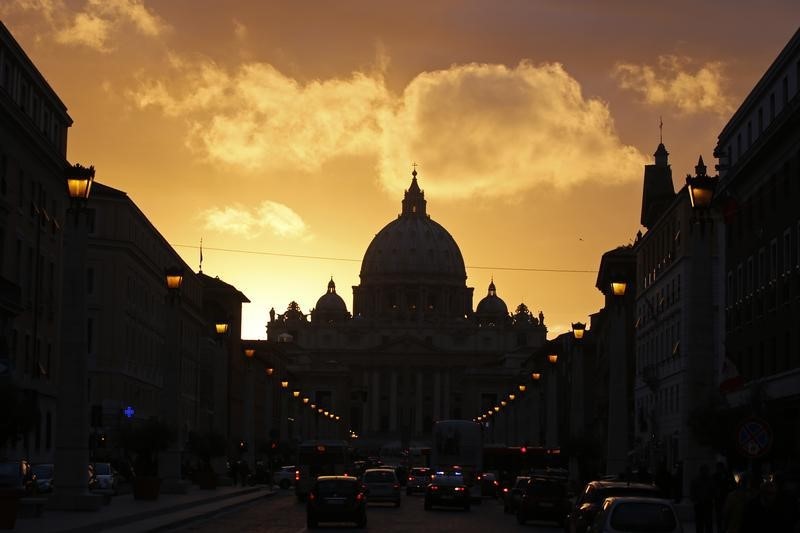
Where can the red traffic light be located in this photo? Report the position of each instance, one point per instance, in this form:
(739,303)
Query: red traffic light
(523,450)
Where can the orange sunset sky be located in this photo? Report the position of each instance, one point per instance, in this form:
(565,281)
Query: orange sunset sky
(289,128)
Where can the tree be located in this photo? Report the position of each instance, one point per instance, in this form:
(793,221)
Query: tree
(206,446)
(20,413)
(146,440)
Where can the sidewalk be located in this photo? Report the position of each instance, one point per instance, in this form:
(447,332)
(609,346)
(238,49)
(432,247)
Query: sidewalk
(124,514)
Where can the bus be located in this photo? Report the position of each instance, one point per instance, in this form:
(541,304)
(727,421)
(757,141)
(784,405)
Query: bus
(319,458)
(457,448)
(511,461)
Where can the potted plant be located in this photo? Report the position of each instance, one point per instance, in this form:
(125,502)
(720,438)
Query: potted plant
(20,414)
(146,440)
(206,446)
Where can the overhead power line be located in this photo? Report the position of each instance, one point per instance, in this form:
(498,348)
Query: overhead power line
(350,260)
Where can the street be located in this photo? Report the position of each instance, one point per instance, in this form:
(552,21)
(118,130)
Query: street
(283,514)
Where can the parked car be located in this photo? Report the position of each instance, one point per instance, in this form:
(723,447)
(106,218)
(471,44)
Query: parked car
(336,499)
(490,486)
(543,499)
(284,476)
(18,475)
(448,491)
(418,479)
(586,506)
(43,472)
(381,485)
(512,495)
(631,513)
(103,477)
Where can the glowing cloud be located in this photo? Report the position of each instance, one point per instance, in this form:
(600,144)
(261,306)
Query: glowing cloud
(477,128)
(274,217)
(258,118)
(97,23)
(496,131)
(673,84)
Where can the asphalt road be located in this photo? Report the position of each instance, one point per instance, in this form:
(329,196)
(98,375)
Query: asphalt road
(283,514)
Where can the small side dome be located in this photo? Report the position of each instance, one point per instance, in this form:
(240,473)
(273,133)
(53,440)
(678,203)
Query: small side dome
(491,309)
(330,306)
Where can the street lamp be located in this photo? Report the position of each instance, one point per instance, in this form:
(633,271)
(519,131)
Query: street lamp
(249,352)
(511,397)
(496,408)
(701,186)
(578,329)
(618,288)
(313,406)
(221,328)
(269,370)
(305,399)
(503,403)
(296,393)
(522,387)
(79,183)
(552,358)
(536,376)
(284,384)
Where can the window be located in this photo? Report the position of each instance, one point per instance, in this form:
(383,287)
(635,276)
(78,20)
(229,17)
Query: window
(787,251)
(739,280)
(772,107)
(785,90)
(773,259)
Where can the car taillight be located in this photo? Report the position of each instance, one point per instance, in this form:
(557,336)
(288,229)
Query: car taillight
(459,489)
(505,489)
(396,486)
(359,496)
(345,474)
(410,478)
(496,483)
(434,487)
(297,475)
(312,496)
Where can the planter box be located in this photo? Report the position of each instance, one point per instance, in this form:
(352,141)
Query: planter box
(146,488)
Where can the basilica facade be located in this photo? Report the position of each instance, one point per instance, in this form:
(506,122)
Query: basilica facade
(413,350)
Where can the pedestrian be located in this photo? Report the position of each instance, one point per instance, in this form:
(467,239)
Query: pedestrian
(702,495)
(234,468)
(723,485)
(761,513)
(733,510)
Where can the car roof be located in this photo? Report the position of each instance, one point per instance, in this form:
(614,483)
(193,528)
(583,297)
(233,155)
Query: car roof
(620,484)
(349,479)
(617,500)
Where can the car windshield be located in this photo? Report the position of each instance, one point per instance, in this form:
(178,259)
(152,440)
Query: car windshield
(44,471)
(330,487)
(448,481)
(9,470)
(379,476)
(643,516)
(102,469)
(545,486)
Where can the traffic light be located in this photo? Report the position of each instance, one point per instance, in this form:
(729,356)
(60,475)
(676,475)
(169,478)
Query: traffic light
(523,450)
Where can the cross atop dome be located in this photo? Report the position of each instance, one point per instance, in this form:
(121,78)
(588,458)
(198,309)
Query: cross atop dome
(414,202)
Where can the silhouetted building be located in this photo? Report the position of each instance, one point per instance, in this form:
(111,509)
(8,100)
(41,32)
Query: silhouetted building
(128,337)
(677,333)
(33,151)
(758,193)
(615,364)
(413,351)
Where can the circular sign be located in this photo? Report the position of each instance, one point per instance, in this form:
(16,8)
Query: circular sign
(754,437)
